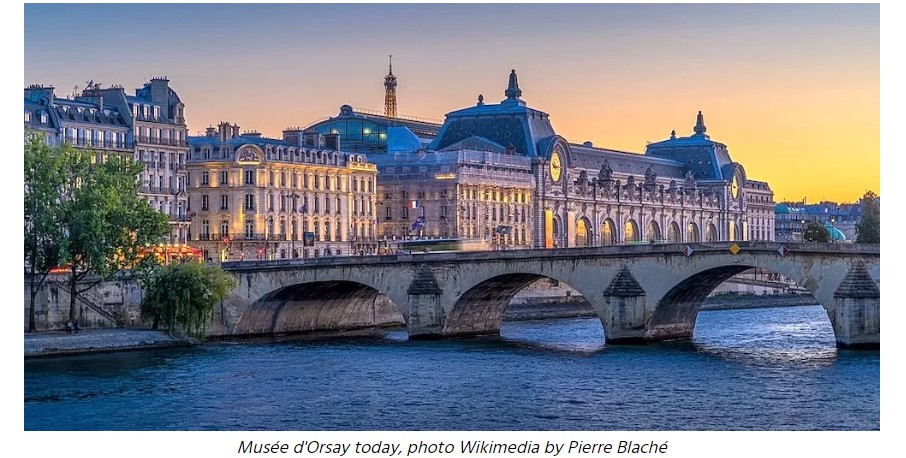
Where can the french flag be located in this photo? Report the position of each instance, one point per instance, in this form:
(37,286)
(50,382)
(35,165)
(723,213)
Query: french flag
(414,204)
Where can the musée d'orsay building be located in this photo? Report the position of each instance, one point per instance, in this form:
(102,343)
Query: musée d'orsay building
(499,172)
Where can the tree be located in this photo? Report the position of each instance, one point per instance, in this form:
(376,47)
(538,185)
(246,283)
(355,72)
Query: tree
(183,296)
(107,226)
(45,179)
(868,230)
(815,232)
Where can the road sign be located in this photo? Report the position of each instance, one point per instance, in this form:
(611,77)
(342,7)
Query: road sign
(687,250)
(783,250)
(734,248)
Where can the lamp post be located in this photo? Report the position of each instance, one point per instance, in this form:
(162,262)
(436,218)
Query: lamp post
(832,238)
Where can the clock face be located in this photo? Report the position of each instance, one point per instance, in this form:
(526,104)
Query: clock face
(734,187)
(556,167)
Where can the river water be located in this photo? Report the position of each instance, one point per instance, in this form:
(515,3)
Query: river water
(762,369)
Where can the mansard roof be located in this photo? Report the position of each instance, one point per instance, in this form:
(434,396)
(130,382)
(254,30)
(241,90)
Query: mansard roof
(508,122)
(592,159)
(476,143)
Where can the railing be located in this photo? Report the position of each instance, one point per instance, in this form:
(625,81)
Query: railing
(245,237)
(161,141)
(100,143)
(95,303)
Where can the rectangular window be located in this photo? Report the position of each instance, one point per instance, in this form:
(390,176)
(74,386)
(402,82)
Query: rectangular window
(205,177)
(204,202)
(224,202)
(249,202)
(249,177)
(224,228)
(224,178)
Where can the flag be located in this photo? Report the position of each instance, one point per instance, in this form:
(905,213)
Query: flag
(414,204)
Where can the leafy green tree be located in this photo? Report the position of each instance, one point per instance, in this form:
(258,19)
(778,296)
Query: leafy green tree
(107,226)
(182,296)
(868,230)
(45,179)
(815,232)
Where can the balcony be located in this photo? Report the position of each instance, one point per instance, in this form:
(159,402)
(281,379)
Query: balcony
(100,144)
(160,141)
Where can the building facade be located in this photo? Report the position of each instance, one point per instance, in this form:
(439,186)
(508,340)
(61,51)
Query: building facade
(681,190)
(253,197)
(149,127)
(840,220)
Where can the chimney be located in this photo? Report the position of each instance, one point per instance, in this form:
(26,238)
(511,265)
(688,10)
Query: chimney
(210,132)
(332,141)
(227,131)
(39,91)
(293,135)
(160,91)
(313,139)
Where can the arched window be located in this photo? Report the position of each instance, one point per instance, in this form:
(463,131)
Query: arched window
(673,233)
(711,233)
(654,232)
(692,235)
(631,232)
(582,234)
(608,233)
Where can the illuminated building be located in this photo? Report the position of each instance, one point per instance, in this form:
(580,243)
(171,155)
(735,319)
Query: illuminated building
(148,126)
(501,173)
(300,196)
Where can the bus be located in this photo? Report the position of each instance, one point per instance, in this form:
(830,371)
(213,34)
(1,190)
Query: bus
(440,246)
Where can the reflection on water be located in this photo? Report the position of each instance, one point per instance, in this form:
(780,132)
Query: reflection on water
(744,369)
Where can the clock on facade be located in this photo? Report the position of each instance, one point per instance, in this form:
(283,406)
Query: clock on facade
(556,167)
(734,187)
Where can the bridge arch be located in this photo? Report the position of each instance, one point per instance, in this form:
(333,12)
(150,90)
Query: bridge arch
(480,309)
(286,297)
(318,306)
(676,311)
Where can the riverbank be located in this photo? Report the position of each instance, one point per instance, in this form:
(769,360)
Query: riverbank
(752,301)
(574,307)
(98,341)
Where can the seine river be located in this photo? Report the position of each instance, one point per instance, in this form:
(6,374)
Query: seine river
(762,369)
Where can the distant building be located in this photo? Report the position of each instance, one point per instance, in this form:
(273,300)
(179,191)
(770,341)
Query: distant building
(148,126)
(500,172)
(262,198)
(840,220)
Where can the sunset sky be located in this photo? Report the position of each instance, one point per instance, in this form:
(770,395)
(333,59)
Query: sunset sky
(792,90)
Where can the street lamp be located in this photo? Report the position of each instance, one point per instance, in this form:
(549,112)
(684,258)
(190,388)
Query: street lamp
(832,238)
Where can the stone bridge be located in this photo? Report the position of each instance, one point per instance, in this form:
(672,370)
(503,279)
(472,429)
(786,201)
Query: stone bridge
(640,292)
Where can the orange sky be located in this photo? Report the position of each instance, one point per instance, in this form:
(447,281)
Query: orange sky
(792,90)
